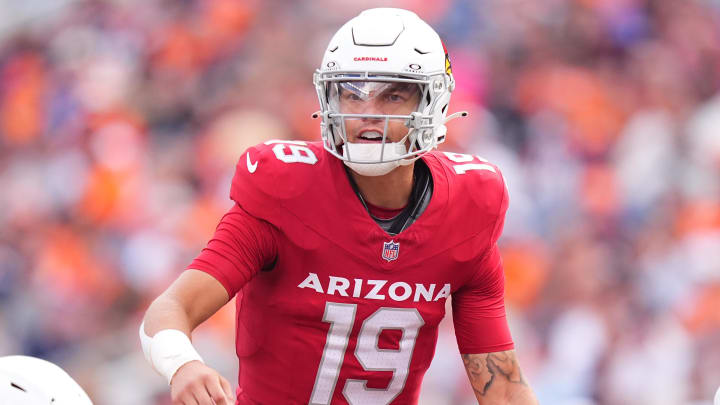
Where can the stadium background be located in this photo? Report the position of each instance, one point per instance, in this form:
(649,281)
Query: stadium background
(121,121)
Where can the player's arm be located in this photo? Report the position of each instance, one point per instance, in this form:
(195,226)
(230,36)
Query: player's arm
(188,302)
(481,326)
(240,247)
(496,378)
(484,337)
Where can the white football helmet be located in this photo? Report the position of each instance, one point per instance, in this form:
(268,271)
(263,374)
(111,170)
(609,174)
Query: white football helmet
(31,381)
(385,45)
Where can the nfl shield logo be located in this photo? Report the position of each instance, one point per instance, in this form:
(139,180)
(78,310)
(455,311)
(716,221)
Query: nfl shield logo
(391,250)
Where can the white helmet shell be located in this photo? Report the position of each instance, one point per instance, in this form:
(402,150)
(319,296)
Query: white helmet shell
(390,45)
(388,40)
(32,381)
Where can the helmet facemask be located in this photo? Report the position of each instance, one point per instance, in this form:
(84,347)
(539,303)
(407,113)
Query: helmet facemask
(381,102)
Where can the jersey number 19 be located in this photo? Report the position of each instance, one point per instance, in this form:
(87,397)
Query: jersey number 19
(341,318)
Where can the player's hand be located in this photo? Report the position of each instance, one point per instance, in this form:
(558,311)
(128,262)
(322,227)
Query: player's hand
(195,383)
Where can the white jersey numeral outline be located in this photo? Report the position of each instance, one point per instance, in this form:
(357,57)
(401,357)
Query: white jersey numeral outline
(465,167)
(342,318)
(299,152)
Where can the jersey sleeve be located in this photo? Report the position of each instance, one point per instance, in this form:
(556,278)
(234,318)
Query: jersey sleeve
(479,305)
(241,246)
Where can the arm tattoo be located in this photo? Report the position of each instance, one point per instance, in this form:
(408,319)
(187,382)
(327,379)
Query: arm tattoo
(484,369)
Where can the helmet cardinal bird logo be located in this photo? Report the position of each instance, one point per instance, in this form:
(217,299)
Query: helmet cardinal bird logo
(448,67)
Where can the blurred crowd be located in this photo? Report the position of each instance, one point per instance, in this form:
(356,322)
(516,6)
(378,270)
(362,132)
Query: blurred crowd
(121,122)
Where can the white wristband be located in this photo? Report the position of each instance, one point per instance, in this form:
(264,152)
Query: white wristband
(167,351)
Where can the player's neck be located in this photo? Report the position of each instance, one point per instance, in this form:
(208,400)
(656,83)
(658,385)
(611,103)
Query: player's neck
(391,191)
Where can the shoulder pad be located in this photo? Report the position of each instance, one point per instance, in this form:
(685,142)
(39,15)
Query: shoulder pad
(474,186)
(273,172)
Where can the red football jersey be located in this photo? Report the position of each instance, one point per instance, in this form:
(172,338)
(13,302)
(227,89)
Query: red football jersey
(349,314)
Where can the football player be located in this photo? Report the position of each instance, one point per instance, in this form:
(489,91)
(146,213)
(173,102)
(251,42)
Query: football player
(342,253)
(28,380)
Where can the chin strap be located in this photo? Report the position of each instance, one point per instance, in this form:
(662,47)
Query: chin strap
(455,115)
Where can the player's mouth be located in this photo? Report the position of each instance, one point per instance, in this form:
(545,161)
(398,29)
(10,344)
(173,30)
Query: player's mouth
(369,136)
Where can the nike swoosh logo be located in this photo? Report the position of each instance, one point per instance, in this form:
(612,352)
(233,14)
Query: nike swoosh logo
(251,166)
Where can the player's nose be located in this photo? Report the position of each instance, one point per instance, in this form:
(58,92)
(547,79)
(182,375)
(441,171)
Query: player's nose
(372,107)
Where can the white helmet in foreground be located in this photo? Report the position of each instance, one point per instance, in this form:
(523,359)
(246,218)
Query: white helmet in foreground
(31,381)
(378,48)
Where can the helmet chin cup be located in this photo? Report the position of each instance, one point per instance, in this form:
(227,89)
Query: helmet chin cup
(373,159)
(372,169)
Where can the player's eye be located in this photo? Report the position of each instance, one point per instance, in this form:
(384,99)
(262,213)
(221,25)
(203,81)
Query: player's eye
(349,96)
(395,97)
